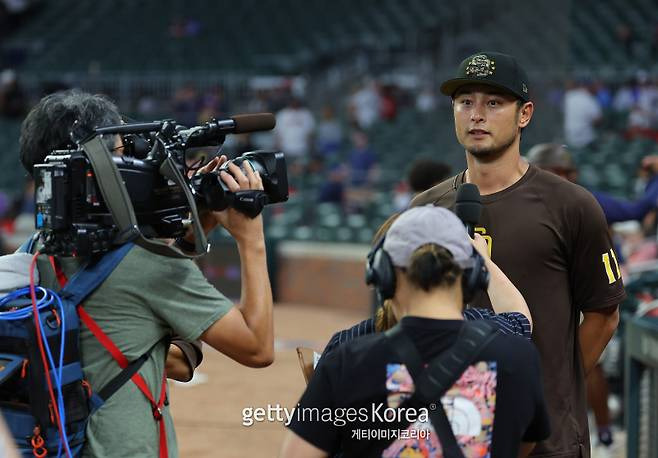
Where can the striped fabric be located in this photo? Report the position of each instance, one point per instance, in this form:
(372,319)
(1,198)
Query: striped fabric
(513,323)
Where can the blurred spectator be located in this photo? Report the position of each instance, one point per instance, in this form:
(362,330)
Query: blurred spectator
(364,105)
(329,136)
(186,105)
(401,196)
(294,130)
(388,103)
(333,189)
(556,159)
(148,105)
(617,210)
(426,173)
(553,158)
(423,174)
(639,123)
(182,28)
(362,160)
(582,113)
(213,104)
(555,94)
(362,173)
(626,96)
(603,94)
(647,97)
(426,100)
(13,103)
(22,215)
(259,102)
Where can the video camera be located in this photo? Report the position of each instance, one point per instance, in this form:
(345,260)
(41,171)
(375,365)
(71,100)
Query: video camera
(88,200)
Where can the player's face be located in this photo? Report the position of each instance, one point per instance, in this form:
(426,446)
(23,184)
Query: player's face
(488,121)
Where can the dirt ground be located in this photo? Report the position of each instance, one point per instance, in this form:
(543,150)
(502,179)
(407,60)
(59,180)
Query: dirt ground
(208,411)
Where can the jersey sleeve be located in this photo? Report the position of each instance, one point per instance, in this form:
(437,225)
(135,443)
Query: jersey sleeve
(594,269)
(307,421)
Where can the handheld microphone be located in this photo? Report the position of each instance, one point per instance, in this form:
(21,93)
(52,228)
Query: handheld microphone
(468,206)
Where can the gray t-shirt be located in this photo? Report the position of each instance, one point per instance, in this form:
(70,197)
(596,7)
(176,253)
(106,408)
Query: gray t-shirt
(144,299)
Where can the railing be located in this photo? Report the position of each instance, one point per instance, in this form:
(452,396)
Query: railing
(641,387)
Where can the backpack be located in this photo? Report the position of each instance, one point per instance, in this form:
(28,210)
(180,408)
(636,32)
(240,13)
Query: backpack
(47,415)
(432,381)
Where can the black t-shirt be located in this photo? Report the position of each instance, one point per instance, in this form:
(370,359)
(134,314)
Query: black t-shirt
(496,403)
(550,238)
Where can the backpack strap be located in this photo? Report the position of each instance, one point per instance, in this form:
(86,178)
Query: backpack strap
(441,373)
(100,397)
(28,245)
(81,284)
(129,372)
(90,276)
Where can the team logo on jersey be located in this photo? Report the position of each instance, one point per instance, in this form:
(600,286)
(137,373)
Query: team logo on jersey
(480,66)
(487,238)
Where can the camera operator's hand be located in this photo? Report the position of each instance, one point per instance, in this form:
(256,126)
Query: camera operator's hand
(235,222)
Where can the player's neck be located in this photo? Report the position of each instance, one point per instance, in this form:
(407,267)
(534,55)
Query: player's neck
(497,175)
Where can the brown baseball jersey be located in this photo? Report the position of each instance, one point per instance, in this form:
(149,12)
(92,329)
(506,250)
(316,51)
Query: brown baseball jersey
(550,238)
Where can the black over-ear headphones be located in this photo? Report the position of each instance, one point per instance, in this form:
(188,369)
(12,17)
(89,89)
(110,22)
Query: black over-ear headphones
(380,273)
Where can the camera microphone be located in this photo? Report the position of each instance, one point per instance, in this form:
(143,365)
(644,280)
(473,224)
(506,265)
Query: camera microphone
(213,132)
(468,206)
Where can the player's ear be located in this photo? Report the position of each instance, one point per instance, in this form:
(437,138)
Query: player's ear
(525,114)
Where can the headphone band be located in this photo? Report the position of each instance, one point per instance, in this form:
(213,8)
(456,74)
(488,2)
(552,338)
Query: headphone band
(380,273)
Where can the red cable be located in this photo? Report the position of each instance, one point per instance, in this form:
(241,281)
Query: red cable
(35,310)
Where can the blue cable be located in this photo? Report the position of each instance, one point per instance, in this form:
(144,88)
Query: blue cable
(25,312)
(57,372)
(47,299)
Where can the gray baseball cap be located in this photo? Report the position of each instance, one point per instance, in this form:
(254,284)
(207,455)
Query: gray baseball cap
(428,224)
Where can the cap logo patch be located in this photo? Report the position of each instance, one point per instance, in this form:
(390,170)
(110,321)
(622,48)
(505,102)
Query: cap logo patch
(525,88)
(480,66)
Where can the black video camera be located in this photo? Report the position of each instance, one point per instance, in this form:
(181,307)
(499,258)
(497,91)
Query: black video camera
(88,201)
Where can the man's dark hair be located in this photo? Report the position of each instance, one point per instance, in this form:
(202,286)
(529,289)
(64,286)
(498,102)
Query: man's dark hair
(425,173)
(48,125)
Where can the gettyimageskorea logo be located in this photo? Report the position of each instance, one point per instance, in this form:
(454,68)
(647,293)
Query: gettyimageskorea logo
(340,416)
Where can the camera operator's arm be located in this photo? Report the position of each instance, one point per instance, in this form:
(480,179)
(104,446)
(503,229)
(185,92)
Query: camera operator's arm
(246,332)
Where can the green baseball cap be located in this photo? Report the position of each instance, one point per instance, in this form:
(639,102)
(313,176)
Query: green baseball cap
(492,69)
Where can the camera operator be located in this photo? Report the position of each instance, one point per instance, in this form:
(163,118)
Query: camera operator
(148,296)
